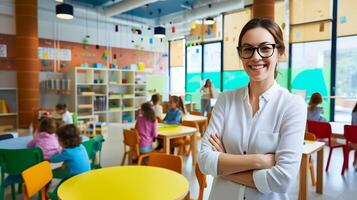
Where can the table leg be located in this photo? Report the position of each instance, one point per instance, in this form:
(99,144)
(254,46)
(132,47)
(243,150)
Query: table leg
(194,149)
(303,186)
(167,145)
(320,171)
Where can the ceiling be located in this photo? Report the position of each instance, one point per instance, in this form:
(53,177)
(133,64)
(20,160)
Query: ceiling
(148,11)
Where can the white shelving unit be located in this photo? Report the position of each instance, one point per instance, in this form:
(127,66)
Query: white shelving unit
(112,94)
(8,93)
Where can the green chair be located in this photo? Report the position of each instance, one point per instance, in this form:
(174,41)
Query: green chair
(91,146)
(99,139)
(13,162)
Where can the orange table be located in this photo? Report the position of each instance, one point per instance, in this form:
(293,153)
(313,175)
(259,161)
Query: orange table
(168,132)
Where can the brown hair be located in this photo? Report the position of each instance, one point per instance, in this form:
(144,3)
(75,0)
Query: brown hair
(61,106)
(48,125)
(69,136)
(179,102)
(269,25)
(315,100)
(155,98)
(148,112)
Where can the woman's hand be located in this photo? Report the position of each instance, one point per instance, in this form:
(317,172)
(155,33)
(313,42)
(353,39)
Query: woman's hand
(217,144)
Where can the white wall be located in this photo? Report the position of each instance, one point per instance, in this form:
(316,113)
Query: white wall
(74,30)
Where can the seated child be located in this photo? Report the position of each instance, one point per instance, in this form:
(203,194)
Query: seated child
(147,127)
(313,111)
(46,139)
(61,109)
(74,154)
(155,98)
(176,109)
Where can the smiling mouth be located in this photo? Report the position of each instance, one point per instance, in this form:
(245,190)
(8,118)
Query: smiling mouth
(257,67)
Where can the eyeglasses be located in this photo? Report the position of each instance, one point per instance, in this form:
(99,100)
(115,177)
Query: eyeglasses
(265,51)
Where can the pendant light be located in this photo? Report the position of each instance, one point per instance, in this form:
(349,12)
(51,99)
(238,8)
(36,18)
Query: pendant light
(209,21)
(64,11)
(159,31)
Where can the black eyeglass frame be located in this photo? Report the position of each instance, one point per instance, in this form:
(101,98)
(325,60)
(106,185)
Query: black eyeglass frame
(256,49)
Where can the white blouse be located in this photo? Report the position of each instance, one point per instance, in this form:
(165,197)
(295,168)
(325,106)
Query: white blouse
(277,127)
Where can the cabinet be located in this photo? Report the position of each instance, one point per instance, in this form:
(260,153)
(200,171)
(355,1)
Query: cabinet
(113,95)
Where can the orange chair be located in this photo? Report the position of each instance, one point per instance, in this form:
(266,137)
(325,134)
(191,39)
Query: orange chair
(201,126)
(201,178)
(187,139)
(162,160)
(311,137)
(131,139)
(36,178)
(159,120)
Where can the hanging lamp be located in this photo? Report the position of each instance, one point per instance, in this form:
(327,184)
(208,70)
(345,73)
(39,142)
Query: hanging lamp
(159,31)
(64,11)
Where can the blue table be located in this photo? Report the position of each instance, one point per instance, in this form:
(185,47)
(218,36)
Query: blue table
(21,142)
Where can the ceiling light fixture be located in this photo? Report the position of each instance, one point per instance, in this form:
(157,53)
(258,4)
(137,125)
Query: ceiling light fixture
(209,21)
(159,31)
(64,11)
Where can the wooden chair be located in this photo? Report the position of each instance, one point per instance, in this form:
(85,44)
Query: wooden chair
(131,139)
(209,115)
(322,131)
(171,162)
(187,139)
(202,182)
(350,133)
(311,137)
(201,126)
(35,179)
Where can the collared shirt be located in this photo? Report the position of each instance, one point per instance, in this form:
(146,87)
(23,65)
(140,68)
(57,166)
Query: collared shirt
(277,127)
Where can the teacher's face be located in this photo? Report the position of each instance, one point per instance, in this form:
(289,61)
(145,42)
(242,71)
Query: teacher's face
(259,69)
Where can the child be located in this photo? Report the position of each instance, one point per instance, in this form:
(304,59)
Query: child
(46,139)
(66,115)
(354,115)
(74,155)
(313,111)
(174,114)
(147,127)
(156,105)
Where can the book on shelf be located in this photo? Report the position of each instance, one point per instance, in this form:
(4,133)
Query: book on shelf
(4,107)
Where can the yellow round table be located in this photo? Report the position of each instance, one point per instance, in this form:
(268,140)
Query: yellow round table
(127,182)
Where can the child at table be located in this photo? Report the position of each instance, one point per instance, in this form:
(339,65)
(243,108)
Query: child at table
(174,114)
(46,139)
(147,127)
(155,98)
(313,111)
(74,155)
(61,109)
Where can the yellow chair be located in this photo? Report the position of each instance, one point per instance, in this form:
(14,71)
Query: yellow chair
(312,137)
(131,139)
(162,160)
(36,178)
(201,178)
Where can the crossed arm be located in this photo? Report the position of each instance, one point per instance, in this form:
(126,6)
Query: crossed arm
(239,168)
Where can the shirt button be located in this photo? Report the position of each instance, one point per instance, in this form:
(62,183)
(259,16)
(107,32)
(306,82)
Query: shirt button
(244,152)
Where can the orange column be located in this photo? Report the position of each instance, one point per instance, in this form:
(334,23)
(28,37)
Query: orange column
(263,9)
(27,62)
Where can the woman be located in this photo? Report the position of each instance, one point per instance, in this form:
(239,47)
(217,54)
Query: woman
(254,140)
(207,93)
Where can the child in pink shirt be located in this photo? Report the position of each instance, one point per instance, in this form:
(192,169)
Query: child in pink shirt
(46,139)
(147,127)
